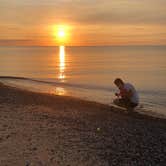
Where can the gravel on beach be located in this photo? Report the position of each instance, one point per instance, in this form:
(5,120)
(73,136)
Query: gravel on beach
(47,130)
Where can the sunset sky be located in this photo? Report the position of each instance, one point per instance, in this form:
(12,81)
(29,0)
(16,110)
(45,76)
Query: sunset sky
(88,22)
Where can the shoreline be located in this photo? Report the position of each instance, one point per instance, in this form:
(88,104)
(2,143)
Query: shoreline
(146,107)
(138,111)
(45,129)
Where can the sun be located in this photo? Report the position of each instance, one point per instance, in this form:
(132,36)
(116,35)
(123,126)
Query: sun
(61,33)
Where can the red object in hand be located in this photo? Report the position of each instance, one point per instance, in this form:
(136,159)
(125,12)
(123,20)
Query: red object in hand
(122,92)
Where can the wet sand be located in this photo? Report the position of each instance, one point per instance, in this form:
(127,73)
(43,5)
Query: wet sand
(47,130)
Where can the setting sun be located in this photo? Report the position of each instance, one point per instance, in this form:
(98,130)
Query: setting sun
(61,34)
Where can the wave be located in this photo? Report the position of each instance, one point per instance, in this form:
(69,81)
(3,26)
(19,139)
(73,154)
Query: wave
(83,86)
(152,101)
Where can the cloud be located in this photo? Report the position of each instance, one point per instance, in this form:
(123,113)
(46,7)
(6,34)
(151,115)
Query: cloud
(29,19)
(4,42)
(85,12)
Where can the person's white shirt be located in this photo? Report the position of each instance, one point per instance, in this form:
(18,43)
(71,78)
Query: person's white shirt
(134,98)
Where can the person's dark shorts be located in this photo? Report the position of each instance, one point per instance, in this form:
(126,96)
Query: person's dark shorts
(125,103)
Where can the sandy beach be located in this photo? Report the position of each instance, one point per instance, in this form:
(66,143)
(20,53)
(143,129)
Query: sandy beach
(47,130)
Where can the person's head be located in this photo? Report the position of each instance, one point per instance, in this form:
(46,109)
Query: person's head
(119,83)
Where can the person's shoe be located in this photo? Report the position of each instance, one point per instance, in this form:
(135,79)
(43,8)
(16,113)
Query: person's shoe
(130,110)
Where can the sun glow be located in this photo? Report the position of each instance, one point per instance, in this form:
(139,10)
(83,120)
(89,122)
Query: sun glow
(61,34)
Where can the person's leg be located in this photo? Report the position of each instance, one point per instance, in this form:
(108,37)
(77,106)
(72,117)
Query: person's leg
(131,106)
(130,109)
(119,102)
(125,103)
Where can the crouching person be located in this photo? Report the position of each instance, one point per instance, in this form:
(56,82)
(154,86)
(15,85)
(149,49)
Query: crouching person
(127,96)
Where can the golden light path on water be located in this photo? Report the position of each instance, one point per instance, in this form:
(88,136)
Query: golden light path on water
(61,63)
(61,77)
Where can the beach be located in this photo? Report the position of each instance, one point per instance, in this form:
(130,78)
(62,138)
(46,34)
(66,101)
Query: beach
(49,130)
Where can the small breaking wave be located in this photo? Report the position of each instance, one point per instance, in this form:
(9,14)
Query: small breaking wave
(56,83)
(153,102)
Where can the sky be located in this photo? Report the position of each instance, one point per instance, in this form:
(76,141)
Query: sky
(89,22)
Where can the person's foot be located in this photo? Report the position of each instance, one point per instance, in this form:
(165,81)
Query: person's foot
(130,109)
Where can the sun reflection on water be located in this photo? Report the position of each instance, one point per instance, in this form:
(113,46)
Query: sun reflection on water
(61,63)
(57,91)
(60,91)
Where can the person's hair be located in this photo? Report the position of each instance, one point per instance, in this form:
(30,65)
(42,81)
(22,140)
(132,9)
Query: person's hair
(118,80)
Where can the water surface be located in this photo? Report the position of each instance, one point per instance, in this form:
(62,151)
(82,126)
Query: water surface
(88,72)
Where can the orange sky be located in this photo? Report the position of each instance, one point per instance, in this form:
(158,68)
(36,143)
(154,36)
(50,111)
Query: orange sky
(90,22)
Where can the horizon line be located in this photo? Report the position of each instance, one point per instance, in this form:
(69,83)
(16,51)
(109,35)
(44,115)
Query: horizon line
(84,45)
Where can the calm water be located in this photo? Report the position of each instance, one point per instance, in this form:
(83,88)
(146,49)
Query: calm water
(88,72)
